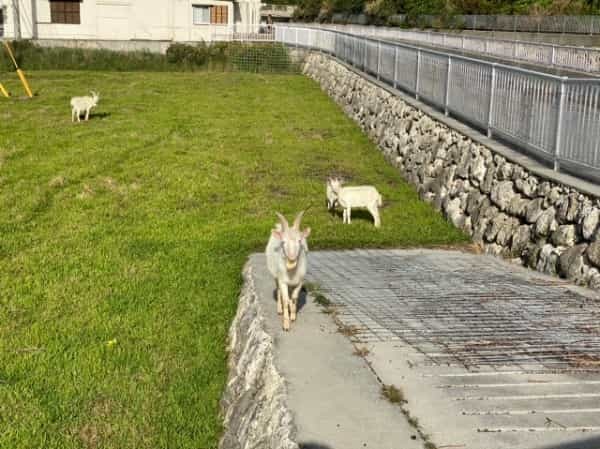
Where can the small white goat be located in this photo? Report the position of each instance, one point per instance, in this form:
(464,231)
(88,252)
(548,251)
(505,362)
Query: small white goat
(286,254)
(353,197)
(80,105)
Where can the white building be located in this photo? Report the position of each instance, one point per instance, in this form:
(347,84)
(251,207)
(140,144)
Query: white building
(123,20)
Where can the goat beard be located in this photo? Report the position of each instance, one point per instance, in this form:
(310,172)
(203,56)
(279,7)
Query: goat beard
(291,264)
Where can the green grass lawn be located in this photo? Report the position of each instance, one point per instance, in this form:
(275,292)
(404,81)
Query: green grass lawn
(122,241)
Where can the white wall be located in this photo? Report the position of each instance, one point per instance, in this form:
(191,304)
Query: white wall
(129,19)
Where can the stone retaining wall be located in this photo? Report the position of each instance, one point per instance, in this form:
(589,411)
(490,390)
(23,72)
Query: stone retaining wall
(510,211)
(254,402)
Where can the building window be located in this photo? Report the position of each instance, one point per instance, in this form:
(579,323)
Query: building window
(65,11)
(210,15)
(1,22)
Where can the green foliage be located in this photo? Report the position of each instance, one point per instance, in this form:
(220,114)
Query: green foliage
(222,56)
(123,239)
(381,12)
(188,55)
(308,10)
(33,57)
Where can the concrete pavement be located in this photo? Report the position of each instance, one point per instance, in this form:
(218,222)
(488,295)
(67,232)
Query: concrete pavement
(489,355)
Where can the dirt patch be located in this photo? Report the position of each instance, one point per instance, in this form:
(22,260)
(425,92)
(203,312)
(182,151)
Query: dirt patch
(57,182)
(86,192)
(393,394)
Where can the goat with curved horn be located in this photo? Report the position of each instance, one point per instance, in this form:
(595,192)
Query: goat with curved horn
(297,220)
(283,221)
(287,256)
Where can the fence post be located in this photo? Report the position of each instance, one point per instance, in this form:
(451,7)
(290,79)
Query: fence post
(553,57)
(559,122)
(378,58)
(418,73)
(395,66)
(446,101)
(491,106)
(366,47)
(296,37)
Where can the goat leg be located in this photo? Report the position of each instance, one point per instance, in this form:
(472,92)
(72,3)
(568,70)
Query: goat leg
(279,305)
(375,213)
(285,296)
(294,303)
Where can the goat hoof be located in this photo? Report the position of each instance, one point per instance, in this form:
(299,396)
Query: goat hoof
(293,318)
(286,325)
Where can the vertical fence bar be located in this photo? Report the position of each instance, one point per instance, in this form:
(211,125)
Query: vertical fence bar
(559,122)
(491,105)
(378,58)
(366,46)
(447,85)
(395,66)
(553,57)
(296,37)
(418,73)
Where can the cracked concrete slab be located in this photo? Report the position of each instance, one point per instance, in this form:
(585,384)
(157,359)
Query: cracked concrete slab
(489,355)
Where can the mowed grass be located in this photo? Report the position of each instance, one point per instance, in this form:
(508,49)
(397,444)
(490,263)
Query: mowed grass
(122,241)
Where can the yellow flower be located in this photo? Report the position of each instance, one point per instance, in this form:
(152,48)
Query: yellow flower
(112,342)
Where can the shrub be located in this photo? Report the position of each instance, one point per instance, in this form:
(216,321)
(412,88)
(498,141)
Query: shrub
(179,57)
(188,56)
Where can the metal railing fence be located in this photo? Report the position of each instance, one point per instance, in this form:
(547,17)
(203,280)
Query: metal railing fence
(536,24)
(576,24)
(556,119)
(558,56)
(245,32)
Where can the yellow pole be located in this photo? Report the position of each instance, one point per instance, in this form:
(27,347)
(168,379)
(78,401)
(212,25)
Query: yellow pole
(24,82)
(3,91)
(19,71)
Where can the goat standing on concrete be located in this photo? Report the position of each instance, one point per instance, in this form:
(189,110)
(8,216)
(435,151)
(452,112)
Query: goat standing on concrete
(287,261)
(80,105)
(353,197)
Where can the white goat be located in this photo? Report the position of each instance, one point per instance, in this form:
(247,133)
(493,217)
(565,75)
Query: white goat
(353,197)
(80,105)
(287,261)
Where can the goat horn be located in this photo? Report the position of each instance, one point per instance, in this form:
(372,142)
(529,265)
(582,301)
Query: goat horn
(283,221)
(297,220)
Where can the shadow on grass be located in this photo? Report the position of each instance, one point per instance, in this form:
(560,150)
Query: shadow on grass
(100,115)
(356,214)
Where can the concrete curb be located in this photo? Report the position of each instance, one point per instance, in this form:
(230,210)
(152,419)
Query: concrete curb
(254,403)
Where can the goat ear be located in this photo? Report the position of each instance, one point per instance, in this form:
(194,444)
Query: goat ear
(277,234)
(306,233)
